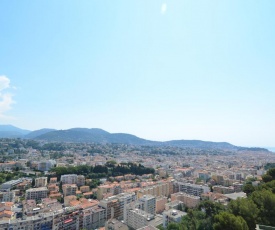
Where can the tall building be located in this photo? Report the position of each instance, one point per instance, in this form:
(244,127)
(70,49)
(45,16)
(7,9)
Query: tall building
(94,218)
(137,218)
(160,189)
(69,179)
(148,204)
(124,199)
(36,193)
(111,204)
(192,189)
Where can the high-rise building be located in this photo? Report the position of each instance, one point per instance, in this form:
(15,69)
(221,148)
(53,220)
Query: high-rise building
(69,179)
(148,204)
(36,193)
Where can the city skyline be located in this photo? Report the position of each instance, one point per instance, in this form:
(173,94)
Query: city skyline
(160,70)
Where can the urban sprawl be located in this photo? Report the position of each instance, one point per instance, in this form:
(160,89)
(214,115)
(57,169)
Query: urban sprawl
(116,186)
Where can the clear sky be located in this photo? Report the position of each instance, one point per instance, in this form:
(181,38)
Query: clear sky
(161,70)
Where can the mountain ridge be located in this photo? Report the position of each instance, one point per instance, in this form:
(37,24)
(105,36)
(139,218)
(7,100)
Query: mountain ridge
(97,135)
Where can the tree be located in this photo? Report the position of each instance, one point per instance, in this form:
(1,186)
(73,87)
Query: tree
(267,178)
(175,226)
(247,209)
(265,201)
(228,221)
(248,189)
(196,220)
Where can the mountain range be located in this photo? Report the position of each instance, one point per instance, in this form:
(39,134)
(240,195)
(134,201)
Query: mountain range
(94,135)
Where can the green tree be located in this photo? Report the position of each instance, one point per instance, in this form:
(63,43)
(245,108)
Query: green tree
(247,209)
(248,189)
(265,201)
(228,221)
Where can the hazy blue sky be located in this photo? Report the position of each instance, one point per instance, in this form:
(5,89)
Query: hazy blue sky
(161,70)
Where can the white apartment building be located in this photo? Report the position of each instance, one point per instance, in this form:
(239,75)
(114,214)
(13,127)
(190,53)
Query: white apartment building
(69,179)
(8,196)
(124,199)
(192,189)
(36,193)
(137,218)
(148,204)
(172,215)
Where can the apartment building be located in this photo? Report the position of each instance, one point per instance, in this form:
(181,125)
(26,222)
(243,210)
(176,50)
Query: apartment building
(80,180)
(124,199)
(188,200)
(46,165)
(238,187)
(8,196)
(137,218)
(41,182)
(62,219)
(148,204)
(116,206)
(112,189)
(41,221)
(172,215)
(218,178)
(160,203)
(112,206)
(114,224)
(69,179)
(192,189)
(36,193)
(53,180)
(70,219)
(222,189)
(160,189)
(69,189)
(84,189)
(93,218)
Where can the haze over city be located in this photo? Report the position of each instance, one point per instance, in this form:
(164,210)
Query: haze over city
(160,70)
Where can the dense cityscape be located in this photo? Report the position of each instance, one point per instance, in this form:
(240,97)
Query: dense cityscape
(137,115)
(52,185)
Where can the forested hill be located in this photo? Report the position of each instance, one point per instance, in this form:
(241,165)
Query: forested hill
(95,135)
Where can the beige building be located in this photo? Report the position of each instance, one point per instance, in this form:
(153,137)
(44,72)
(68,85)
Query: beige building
(69,189)
(160,204)
(41,182)
(68,199)
(188,200)
(160,189)
(84,189)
